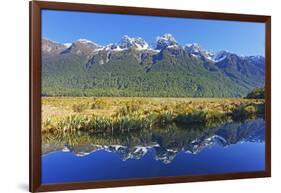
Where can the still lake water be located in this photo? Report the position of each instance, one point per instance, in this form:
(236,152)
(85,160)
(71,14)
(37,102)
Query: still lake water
(231,147)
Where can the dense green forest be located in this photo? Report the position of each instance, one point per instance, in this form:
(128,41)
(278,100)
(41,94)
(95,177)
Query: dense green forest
(257,93)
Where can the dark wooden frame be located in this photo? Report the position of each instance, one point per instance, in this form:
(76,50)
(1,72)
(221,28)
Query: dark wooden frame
(35,93)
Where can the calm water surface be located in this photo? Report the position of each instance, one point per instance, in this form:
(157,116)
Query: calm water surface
(174,151)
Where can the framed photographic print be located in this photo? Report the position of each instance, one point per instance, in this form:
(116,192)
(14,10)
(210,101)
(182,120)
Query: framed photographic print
(123,96)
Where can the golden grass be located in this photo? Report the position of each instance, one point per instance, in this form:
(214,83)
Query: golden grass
(116,109)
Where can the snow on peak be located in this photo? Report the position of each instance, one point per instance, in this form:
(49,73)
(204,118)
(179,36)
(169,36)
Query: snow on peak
(67,45)
(221,55)
(113,47)
(88,47)
(88,42)
(85,41)
(165,41)
(195,47)
(167,37)
(255,58)
(197,51)
(129,42)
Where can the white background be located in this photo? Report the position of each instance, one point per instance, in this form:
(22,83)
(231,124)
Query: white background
(14,95)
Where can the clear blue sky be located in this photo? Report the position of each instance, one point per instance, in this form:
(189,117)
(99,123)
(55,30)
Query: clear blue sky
(243,38)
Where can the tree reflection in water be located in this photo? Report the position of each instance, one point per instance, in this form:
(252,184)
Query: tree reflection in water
(165,142)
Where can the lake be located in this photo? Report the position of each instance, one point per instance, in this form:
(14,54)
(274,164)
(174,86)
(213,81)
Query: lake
(171,151)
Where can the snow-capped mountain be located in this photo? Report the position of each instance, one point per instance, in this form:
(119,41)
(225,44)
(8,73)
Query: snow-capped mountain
(221,55)
(257,60)
(245,64)
(197,51)
(129,42)
(165,41)
(82,47)
(88,47)
(126,43)
(254,58)
(237,75)
(112,47)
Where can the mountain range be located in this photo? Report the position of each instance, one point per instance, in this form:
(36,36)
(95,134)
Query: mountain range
(132,67)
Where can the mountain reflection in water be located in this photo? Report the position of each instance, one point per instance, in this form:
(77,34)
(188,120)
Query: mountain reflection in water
(166,143)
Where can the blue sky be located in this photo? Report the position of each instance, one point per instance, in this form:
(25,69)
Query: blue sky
(243,38)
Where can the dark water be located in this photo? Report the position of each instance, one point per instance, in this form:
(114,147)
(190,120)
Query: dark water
(173,151)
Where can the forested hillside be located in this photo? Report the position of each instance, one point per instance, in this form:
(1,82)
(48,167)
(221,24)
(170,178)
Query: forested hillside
(133,68)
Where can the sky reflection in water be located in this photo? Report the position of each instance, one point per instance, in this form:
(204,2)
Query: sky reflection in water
(232,147)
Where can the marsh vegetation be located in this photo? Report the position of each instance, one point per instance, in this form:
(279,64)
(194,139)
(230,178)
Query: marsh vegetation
(119,114)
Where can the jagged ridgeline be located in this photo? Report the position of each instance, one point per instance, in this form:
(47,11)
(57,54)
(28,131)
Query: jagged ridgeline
(133,68)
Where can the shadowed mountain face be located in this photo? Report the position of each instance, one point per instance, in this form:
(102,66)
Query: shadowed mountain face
(165,143)
(133,68)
